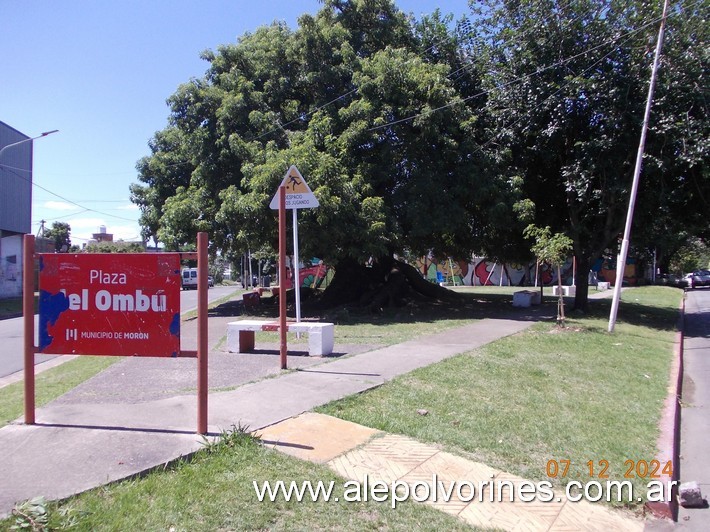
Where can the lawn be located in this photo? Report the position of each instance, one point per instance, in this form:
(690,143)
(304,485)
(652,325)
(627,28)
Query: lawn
(578,394)
(214,491)
(50,384)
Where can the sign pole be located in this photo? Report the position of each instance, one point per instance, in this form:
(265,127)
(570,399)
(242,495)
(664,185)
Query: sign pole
(28,299)
(202,338)
(282,277)
(296,266)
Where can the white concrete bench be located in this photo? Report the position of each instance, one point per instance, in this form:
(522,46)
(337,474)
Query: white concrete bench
(567,291)
(602,285)
(240,335)
(525,298)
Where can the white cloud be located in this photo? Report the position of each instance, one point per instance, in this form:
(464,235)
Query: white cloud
(60,206)
(128,207)
(84,223)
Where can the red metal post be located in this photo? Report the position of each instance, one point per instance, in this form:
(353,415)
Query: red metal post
(282,277)
(202,343)
(28,311)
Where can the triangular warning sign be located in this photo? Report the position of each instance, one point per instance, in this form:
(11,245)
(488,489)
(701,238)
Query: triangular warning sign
(294,182)
(298,193)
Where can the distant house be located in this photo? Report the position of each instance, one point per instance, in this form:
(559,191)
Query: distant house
(15,206)
(102,235)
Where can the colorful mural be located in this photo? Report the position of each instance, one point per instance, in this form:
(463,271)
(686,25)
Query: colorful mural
(317,274)
(484,272)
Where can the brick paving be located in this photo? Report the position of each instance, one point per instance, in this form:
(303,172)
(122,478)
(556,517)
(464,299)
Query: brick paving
(355,452)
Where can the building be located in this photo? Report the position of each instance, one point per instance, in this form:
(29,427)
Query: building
(101,236)
(15,206)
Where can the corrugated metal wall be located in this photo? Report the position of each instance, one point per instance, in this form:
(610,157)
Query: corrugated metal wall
(15,182)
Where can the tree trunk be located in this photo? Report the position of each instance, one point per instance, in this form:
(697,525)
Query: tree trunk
(387,282)
(560,298)
(581,280)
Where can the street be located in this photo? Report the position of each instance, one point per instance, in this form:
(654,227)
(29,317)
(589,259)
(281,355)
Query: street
(695,412)
(11,331)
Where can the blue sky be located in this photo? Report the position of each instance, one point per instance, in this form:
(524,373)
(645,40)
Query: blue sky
(100,71)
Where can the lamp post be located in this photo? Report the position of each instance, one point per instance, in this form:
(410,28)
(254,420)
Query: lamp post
(27,140)
(2,150)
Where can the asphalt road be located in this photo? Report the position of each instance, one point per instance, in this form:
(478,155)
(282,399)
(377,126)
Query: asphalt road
(695,414)
(11,331)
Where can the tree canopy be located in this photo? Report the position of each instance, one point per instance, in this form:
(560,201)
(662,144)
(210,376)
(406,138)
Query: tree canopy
(567,85)
(424,136)
(60,234)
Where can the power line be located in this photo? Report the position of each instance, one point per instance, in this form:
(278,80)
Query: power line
(515,80)
(66,199)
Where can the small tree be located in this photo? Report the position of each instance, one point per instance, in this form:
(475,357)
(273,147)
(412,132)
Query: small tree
(553,249)
(60,233)
(115,247)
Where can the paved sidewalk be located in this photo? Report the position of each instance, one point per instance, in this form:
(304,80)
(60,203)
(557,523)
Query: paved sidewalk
(126,421)
(358,453)
(100,436)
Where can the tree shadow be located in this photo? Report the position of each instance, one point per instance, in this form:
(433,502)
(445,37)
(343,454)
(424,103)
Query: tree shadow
(659,318)
(414,310)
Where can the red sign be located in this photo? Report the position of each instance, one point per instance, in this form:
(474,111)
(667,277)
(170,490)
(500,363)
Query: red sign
(110,304)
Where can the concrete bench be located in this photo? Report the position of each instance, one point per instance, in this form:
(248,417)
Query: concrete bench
(602,285)
(525,298)
(567,291)
(240,335)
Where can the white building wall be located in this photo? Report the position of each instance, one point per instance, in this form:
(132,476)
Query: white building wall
(11,266)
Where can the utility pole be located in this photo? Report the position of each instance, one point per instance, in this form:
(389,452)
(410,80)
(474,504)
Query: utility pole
(41,230)
(621,260)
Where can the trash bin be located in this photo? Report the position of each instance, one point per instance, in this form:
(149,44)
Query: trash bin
(267,281)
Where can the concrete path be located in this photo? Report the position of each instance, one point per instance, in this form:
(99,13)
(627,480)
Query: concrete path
(368,456)
(141,413)
(94,435)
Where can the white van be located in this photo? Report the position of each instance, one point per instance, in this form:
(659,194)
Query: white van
(189,278)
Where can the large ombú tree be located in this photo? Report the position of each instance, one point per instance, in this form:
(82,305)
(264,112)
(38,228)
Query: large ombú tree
(365,108)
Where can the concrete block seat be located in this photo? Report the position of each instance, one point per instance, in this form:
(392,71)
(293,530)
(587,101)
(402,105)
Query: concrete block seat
(567,291)
(525,298)
(240,335)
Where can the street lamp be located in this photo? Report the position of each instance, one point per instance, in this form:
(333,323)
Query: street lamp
(27,140)
(2,150)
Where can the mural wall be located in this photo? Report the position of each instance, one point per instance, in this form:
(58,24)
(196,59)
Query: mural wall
(484,272)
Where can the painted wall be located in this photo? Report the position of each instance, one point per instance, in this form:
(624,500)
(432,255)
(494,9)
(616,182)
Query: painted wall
(11,266)
(483,272)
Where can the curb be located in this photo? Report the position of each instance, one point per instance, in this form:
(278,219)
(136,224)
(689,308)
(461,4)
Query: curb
(669,438)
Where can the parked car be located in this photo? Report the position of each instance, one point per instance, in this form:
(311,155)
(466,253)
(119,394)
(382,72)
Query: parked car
(669,279)
(698,278)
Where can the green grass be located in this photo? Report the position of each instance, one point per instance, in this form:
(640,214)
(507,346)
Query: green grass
(577,393)
(398,324)
(12,307)
(214,491)
(50,384)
